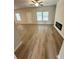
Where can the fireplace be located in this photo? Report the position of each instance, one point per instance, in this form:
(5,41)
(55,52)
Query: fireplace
(58,25)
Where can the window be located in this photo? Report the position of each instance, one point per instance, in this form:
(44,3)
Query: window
(18,17)
(42,16)
(39,16)
(45,16)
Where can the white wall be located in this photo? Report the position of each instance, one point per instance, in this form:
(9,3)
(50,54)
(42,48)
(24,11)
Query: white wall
(61,53)
(59,16)
(16,38)
(15,57)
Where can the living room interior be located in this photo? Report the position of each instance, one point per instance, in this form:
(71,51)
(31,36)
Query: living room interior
(39,29)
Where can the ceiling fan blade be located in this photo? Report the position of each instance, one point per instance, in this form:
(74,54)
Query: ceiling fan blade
(41,2)
(41,5)
(33,1)
(36,0)
(32,5)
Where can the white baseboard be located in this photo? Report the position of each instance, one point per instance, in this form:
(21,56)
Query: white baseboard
(18,46)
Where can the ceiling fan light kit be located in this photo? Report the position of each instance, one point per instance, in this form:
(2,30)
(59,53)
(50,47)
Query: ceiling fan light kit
(36,4)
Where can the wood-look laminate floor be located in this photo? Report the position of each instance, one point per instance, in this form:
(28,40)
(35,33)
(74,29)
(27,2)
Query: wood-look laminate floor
(39,45)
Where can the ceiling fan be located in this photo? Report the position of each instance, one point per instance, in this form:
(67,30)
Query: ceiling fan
(37,3)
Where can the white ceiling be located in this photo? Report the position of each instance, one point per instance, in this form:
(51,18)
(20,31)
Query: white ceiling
(27,3)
